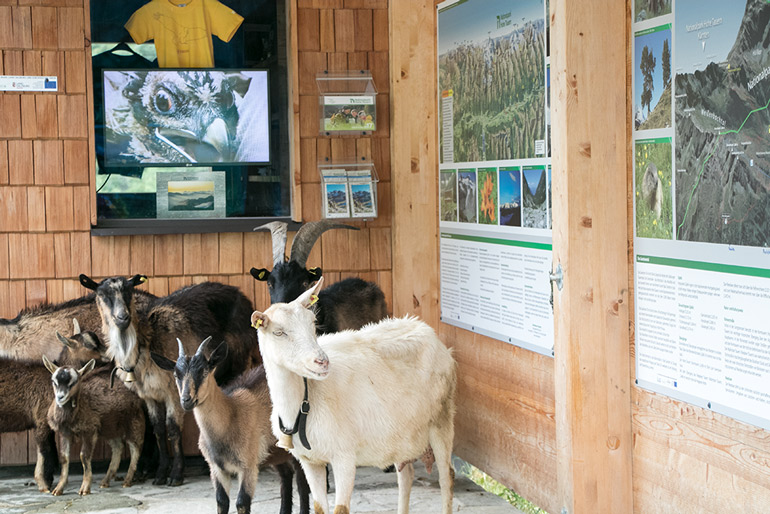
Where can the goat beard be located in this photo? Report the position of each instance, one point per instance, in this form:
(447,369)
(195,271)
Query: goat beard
(122,346)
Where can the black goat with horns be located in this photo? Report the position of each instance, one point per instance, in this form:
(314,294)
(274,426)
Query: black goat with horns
(348,304)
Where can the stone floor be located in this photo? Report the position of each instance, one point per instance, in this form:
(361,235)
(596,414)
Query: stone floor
(375,492)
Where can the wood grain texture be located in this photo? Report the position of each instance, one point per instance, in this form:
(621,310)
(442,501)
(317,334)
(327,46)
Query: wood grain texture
(13,209)
(48,158)
(505,421)
(4,272)
(309,39)
(10,116)
(592,381)
(22,27)
(20,162)
(3,162)
(36,208)
(75,161)
(59,213)
(72,108)
(414,152)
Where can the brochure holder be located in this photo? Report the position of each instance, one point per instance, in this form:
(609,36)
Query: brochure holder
(348,190)
(347,102)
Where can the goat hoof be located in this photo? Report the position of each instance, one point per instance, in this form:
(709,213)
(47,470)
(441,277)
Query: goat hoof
(159,481)
(127,484)
(104,485)
(175,482)
(84,492)
(57,492)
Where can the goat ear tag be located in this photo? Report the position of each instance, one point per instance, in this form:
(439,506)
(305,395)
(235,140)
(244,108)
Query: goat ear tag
(313,298)
(142,279)
(285,442)
(261,275)
(257,324)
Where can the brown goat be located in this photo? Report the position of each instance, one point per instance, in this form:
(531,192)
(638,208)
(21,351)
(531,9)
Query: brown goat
(30,335)
(192,313)
(85,408)
(25,395)
(235,432)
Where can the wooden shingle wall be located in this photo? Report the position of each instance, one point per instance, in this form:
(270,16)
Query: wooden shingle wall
(45,196)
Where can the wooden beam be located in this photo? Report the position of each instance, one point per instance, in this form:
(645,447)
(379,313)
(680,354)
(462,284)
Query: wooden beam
(414,158)
(295,172)
(592,376)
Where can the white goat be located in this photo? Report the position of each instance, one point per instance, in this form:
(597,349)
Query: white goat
(377,396)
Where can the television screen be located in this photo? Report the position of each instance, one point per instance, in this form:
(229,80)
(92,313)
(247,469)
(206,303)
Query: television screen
(185,117)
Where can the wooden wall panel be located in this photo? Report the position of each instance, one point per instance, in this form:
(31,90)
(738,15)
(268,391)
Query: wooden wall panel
(46,204)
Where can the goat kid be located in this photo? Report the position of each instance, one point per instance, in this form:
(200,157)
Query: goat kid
(131,335)
(346,305)
(378,396)
(25,395)
(85,409)
(234,422)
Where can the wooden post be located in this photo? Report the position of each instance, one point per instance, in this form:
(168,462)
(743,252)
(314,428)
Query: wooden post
(592,380)
(414,158)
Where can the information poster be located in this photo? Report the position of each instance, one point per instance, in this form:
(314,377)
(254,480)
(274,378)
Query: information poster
(702,203)
(495,175)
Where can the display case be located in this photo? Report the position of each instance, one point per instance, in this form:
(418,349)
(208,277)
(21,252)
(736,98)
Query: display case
(348,190)
(347,103)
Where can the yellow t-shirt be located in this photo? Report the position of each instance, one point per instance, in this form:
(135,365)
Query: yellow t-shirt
(182,30)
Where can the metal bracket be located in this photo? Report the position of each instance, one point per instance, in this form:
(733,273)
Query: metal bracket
(557,277)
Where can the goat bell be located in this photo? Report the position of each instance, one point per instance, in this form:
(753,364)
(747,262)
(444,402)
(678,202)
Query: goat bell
(285,442)
(130,377)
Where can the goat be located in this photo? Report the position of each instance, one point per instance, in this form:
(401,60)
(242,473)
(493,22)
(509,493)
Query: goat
(85,409)
(348,304)
(235,436)
(191,313)
(25,395)
(377,396)
(30,335)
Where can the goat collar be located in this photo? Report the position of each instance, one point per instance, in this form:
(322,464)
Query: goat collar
(299,423)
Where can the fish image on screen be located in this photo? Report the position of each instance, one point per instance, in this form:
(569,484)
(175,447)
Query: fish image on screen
(173,117)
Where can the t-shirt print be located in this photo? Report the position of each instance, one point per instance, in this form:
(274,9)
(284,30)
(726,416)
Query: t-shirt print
(182,31)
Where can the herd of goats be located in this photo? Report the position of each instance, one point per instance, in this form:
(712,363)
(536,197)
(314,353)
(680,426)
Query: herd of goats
(322,376)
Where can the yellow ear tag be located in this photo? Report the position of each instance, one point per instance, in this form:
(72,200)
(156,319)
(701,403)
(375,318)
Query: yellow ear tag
(261,274)
(313,298)
(142,279)
(257,324)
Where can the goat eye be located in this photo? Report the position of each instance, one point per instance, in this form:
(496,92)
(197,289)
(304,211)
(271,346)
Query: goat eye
(278,333)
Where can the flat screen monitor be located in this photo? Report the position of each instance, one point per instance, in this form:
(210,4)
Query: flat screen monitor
(186,117)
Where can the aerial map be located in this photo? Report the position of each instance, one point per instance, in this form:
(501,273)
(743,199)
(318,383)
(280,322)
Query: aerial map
(722,93)
(492,79)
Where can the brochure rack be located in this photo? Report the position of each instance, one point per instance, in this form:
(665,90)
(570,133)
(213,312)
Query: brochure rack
(348,190)
(347,103)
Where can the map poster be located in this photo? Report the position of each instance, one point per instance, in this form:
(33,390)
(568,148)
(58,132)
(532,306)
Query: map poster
(492,80)
(702,203)
(494,180)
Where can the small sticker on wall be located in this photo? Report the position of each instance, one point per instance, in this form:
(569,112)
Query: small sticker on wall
(28,83)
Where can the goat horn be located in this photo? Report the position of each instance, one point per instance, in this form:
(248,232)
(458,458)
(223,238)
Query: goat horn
(306,237)
(278,231)
(181,347)
(203,344)
(76,325)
